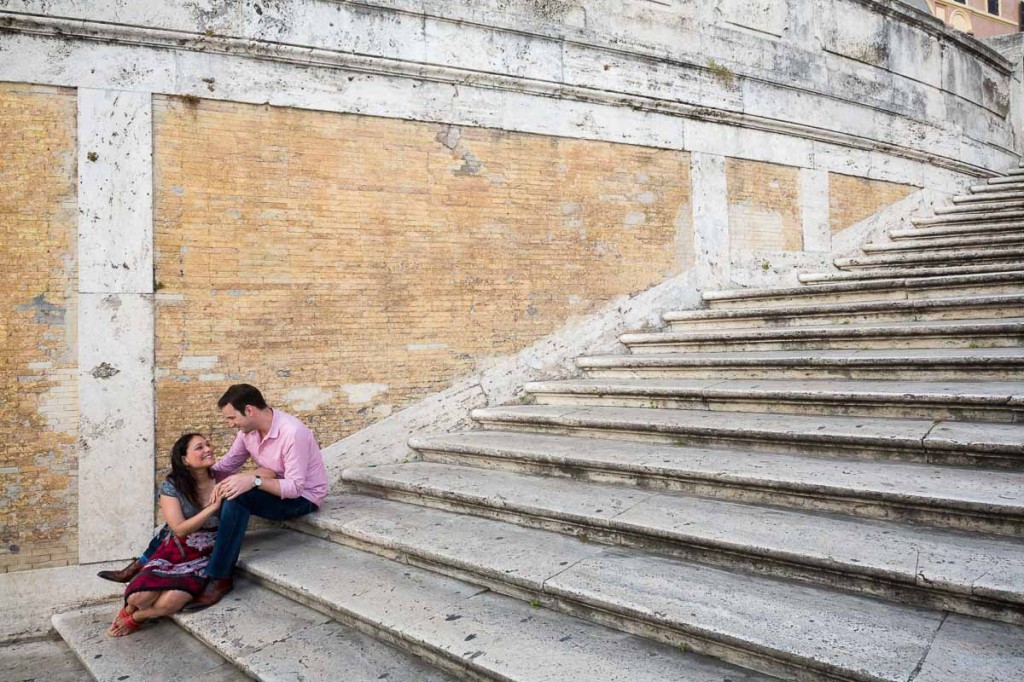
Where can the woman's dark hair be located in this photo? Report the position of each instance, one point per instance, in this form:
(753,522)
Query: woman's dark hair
(181,476)
(240,395)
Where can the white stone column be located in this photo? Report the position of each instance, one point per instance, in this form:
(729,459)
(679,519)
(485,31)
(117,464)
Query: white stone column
(710,220)
(115,324)
(814,209)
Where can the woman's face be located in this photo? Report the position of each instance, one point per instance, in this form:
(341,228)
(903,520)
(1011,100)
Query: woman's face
(199,454)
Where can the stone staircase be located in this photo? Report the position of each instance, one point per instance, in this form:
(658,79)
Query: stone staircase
(822,482)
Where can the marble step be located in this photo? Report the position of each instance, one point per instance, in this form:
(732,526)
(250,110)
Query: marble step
(910,364)
(966,217)
(1000,184)
(1010,192)
(946,243)
(871,290)
(916,272)
(922,255)
(921,440)
(865,312)
(461,627)
(981,206)
(955,230)
(976,333)
(271,637)
(899,562)
(797,631)
(955,401)
(158,651)
(1003,180)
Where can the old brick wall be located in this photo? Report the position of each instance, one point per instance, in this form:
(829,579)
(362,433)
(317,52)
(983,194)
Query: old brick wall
(349,265)
(38,280)
(852,199)
(764,207)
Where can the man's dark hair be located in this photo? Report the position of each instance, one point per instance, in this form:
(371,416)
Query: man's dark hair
(240,395)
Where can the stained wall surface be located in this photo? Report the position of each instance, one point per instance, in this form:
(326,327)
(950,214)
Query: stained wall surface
(38,368)
(349,265)
(852,199)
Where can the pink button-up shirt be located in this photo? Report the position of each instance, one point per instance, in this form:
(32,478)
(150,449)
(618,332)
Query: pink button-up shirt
(290,450)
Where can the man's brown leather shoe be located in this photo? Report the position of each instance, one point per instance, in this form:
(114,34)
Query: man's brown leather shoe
(214,592)
(125,574)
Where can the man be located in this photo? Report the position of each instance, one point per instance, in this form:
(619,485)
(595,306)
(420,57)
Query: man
(275,441)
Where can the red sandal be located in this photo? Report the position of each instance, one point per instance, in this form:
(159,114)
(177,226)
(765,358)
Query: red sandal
(123,620)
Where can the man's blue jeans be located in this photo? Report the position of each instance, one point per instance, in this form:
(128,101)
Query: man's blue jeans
(234,519)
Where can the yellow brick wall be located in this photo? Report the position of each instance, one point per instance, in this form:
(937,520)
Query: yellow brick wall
(38,280)
(350,265)
(764,207)
(852,199)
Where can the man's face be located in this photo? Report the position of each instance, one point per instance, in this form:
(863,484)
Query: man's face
(238,420)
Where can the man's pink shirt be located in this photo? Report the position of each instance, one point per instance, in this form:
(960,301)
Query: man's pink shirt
(289,449)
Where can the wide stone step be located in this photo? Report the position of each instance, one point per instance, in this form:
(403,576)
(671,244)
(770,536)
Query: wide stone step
(1001,332)
(1009,192)
(974,401)
(946,243)
(796,631)
(836,555)
(872,290)
(966,217)
(916,272)
(955,230)
(795,316)
(982,206)
(923,440)
(916,364)
(271,637)
(464,628)
(1004,179)
(924,255)
(158,651)
(1000,184)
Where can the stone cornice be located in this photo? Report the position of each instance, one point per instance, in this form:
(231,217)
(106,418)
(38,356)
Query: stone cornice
(166,39)
(936,27)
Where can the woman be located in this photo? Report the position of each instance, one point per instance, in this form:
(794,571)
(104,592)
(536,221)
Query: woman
(173,576)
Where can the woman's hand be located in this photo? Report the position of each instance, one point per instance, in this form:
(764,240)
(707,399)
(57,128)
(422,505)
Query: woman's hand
(216,499)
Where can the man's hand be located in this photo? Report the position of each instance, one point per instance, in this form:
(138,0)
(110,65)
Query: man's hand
(236,484)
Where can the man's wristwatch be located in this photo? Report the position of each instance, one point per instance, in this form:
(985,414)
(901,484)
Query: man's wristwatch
(257,481)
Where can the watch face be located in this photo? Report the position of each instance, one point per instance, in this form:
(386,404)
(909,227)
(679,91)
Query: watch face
(257,481)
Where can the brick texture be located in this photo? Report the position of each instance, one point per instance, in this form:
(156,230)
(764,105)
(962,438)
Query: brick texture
(38,386)
(764,207)
(851,199)
(349,265)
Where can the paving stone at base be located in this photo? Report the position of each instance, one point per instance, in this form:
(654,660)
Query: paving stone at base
(274,638)
(40,660)
(158,651)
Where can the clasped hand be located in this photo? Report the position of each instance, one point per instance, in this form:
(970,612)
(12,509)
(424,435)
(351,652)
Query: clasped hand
(234,485)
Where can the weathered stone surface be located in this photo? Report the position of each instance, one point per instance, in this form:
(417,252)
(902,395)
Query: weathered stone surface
(274,638)
(144,655)
(971,649)
(931,559)
(41,660)
(460,625)
(508,553)
(826,632)
(949,489)
(31,597)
